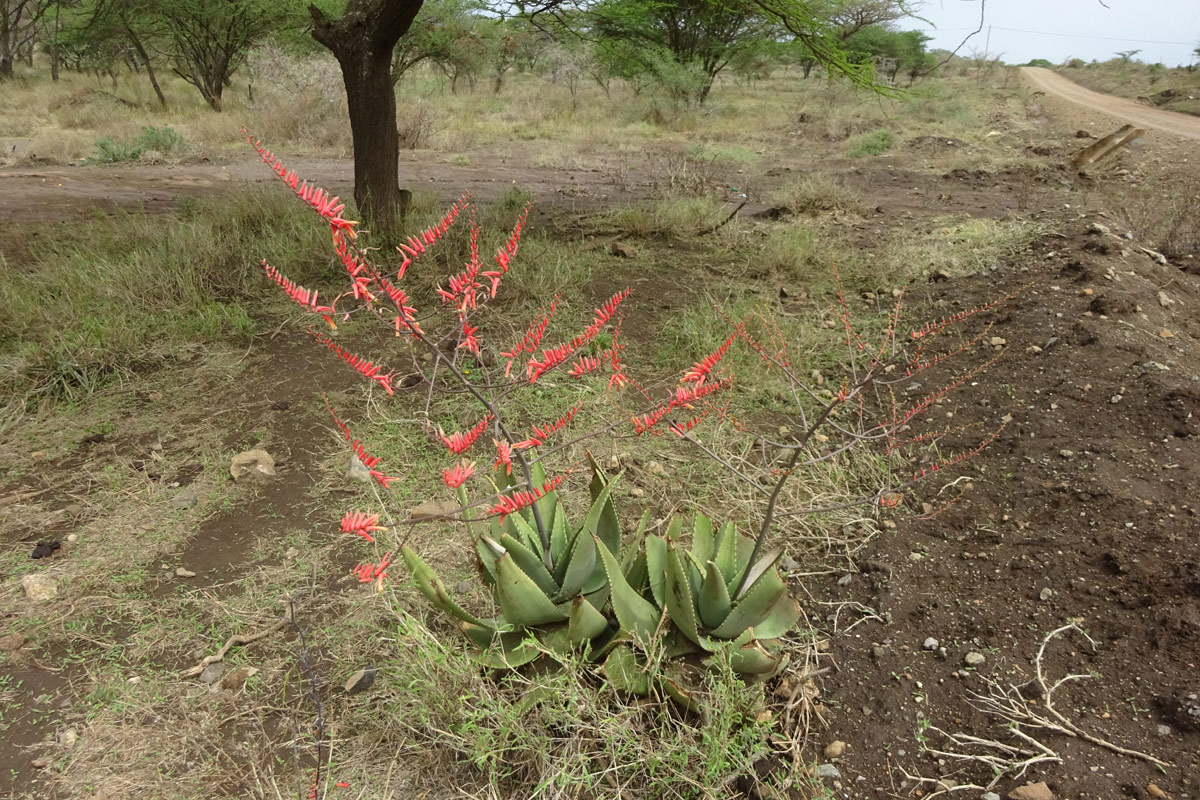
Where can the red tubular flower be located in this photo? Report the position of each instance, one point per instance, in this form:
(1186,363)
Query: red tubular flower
(365,368)
(461,442)
(417,245)
(305,298)
(323,203)
(542,433)
(468,339)
(701,369)
(362,524)
(367,571)
(458,475)
(504,456)
(603,314)
(510,504)
(550,359)
(532,338)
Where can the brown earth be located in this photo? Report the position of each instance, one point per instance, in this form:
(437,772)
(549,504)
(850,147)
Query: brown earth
(1086,494)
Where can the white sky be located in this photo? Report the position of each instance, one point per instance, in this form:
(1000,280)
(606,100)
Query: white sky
(1164,30)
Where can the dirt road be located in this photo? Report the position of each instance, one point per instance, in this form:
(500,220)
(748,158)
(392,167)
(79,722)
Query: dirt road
(1118,107)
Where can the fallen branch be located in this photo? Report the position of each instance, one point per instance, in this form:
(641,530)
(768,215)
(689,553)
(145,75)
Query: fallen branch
(21,497)
(239,639)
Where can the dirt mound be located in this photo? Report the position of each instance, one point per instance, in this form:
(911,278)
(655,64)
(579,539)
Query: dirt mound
(1082,511)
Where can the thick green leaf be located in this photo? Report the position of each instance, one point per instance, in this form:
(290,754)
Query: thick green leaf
(782,618)
(656,565)
(586,622)
(581,565)
(485,636)
(531,565)
(526,534)
(678,594)
(602,516)
(675,528)
(632,550)
(753,659)
(428,584)
(713,603)
(548,505)
(752,609)
(635,613)
(561,541)
(624,673)
(523,601)
(726,551)
(703,546)
(506,657)
(635,571)
(759,569)
(683,685)
(487,559)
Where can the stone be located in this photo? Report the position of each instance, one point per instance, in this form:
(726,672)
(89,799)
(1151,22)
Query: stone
(433,508)
(185,500)
(39,588)
(916,557)
(1116,398)
(40,763)
(845,580)
(828,771)
(989,796)
(71,537)
(239,676)
(1032,791)
(1097,228)
(636,492)
(998,341)
(180,572)
(212,673)
(974,659)
(357,471)
(68,737)
(1045,594)
(252,465)
(1166,333)
(1153,790)
(1163,730)
(1067,453)
(360,681)
(835,749)
(930,644)
(12,643)
(1165,300)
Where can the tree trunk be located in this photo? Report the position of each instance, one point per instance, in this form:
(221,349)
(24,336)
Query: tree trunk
(136,41)
(362,40)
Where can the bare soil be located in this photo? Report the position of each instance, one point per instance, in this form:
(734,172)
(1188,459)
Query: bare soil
(1082,510)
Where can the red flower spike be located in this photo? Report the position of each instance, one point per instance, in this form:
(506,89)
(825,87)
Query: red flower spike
(603,314)
(510,504)
(468,339)
(550,359)
(532,338)
(417,244)
(365,368)
(325,205)
(458,475)
(541,434)
(461,442)
(584,365)
(305,298)
(701,369)
(362,524)
(504,456)
(367,571)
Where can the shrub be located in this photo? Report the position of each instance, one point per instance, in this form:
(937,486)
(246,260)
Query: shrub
(874,143)
(164,141)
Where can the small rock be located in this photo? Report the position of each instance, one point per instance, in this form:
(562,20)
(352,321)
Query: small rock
(1032,791)
(39,588)
(789,564)
(433,508)
(360,681)
(636,492)
(357,471)
(845,580)
(998,341)
(71,537)
(1097,228)
(828,771)
(68,737)
(239,676)
(12,643)
(930,644)
(40,763)
(1153,790)
(1163,730)
(180,572)
(1116,398)
(989,796)
(974,659)
(252,465)
(915,557)
(212,673)
(622,250)
(1165,300)
(835,749)
(462,587)
(1067,453)
(185,500)
(1033,349)
(1166,334)
(1045,594)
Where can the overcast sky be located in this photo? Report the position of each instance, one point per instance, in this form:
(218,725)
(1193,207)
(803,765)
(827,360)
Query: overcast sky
(1164,30)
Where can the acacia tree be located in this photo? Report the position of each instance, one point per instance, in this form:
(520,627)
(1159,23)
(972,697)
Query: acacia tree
(210,39)
(18,28)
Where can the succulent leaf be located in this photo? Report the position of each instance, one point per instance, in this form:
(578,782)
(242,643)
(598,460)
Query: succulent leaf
(713,603)
(581,566)
(586,623)
(757,570)
(635,613)
(678,594)
(751,609)
(602,520)
(531,565)
(754,659)
(703,545)
(782,618)
(625,674)
(726,551)
(428,584)
(656,565)
(521,599)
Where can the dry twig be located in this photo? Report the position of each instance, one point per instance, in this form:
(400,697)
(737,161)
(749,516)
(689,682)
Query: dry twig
(238,639)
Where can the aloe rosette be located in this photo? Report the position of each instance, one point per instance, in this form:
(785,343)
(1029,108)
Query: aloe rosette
(549,582)
(718,603)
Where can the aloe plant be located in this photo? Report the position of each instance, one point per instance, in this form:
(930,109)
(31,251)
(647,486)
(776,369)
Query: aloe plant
(720,604)
(551,590)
